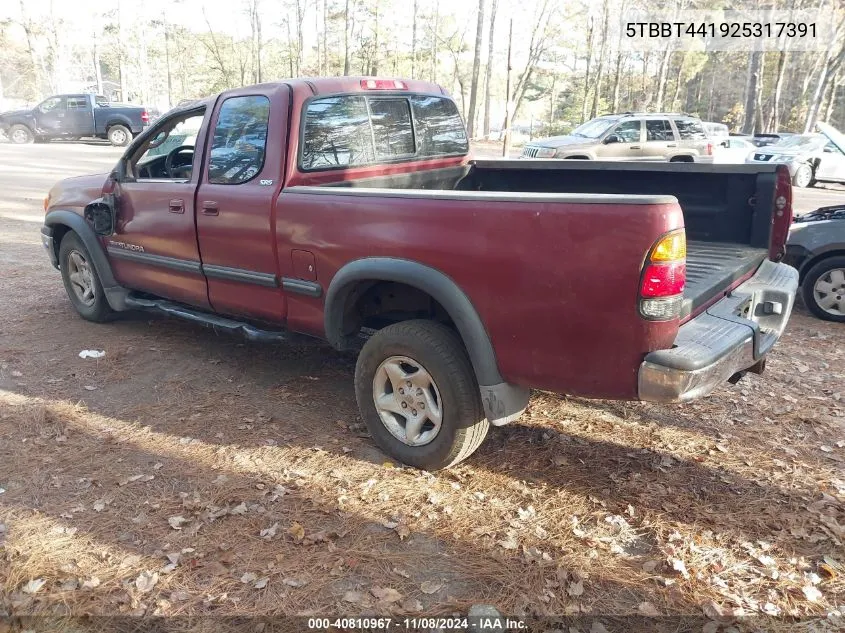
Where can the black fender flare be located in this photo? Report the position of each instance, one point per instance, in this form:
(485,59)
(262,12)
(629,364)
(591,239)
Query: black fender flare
(431,281)
(503,402)
(115,293)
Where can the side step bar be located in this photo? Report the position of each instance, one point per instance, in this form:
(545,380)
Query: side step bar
(215,321)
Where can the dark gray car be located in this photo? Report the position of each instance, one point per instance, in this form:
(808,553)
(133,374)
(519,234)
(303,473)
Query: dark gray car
(816,247)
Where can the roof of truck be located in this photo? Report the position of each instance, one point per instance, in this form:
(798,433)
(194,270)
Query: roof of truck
(326,86)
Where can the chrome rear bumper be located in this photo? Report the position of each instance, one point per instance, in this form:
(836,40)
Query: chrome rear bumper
(730,337)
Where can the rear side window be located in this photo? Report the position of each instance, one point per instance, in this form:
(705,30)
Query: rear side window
(77,103)
(690,130)
(352,130)
(240,137)
(659,131)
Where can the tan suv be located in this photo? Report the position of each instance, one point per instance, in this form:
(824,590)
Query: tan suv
(630,136)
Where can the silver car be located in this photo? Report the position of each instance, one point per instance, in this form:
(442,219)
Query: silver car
(632,136)
(811,158)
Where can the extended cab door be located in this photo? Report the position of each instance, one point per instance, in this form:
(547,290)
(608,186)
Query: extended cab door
(241,179)
(79,116)
(154,247)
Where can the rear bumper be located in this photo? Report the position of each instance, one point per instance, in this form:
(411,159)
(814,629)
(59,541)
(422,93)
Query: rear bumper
(732,336)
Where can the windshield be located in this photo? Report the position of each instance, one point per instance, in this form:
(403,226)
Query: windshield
(802,141)
(594,128)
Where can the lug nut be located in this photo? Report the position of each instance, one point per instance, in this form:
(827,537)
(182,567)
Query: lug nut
(408,383)
(422,405)
(404,405)
(413,411)
(402,391)
(419,392)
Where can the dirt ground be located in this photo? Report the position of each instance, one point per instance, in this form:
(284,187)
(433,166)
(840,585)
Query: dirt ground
(187,473)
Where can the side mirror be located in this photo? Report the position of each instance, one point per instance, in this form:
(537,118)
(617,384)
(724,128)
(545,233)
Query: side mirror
(725,143)
(613,138)
(101,214)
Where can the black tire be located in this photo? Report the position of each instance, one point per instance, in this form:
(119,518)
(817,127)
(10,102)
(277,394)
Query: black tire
(440,352)
(819,270)
(98,310)
(20,134)
(119,135)
(803,176)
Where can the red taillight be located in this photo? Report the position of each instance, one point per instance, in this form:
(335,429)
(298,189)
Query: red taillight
(383,84)
(145,117)
(663,277)
(709,149)
(781,213)
(663,280)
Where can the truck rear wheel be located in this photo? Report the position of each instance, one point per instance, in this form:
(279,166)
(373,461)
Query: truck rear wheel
(418,395)
(119,135)
(82,283)
(21,134)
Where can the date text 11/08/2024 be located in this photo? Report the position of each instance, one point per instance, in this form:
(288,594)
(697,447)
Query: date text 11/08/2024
(491,624)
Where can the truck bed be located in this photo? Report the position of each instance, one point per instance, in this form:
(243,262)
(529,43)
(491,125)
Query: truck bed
(727,208)
(714,266)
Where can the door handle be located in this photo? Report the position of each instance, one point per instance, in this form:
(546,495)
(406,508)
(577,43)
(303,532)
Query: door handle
(209,207)
(672,145)
(177,206)
(634,147)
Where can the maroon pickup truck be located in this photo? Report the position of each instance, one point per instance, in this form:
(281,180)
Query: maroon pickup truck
(351,210)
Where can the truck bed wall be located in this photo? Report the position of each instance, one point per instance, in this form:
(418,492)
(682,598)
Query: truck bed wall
(555,279)
(720,203)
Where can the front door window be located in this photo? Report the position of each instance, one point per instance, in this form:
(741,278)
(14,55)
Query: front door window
(169,153)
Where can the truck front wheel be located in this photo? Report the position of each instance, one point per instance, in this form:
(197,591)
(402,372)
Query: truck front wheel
(119,135)
(82,283)
(20,134)
(418,395)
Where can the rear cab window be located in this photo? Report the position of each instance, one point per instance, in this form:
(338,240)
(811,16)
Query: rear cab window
(356,130)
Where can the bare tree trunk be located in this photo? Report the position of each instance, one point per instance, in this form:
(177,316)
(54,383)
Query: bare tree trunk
(587,70)
(33,58)
(829,69)
(434,41)
(752,90)
(677,93)
(374,63)
(98,70)
(121,64)
(167,61)
(600,69)
(488,72)
(506,128)
(346,40)
(476,68)
(662,75)
(300,17)
(831,97)
(536,48)
(779,74)
(614,106)
(414,43)
(326,36)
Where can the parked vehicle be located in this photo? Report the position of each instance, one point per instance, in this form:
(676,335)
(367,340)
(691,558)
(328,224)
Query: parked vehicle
(632,136)
(811,158)
(816,247)
(346,207)
(716,130)
(732,150)
(75,116)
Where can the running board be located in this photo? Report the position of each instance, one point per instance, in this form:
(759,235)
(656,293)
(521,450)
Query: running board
(215,321)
